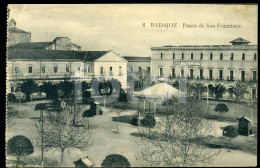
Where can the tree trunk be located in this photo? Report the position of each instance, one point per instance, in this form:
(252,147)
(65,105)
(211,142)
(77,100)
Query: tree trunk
(117,123)
(88,122)
(229,144)
(149,132)
(62,155)
(42,137)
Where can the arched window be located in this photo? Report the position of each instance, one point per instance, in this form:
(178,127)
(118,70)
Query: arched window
(211,56)
(191,56)
(173,55)
(161,55)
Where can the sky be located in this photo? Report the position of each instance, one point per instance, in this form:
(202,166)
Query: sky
(119,27)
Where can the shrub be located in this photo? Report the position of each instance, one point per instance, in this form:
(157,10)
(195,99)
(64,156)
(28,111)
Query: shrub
(40,106)
(115,160)
(134,120)
(231,132)
(19,146)
(148,121)
(11,97)
(221,108)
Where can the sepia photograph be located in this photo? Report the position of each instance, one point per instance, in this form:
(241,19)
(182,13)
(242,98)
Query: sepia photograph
(131,85)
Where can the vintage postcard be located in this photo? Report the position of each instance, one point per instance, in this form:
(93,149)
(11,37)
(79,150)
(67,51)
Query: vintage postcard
(131,85)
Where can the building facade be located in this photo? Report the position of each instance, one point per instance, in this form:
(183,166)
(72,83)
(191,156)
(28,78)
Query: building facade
(209,64)
(16,35)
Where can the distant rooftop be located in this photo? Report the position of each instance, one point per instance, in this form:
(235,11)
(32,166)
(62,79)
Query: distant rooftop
(41,54)
(16,30)
(240,40)
(136,58)
(237,43)
(31,45)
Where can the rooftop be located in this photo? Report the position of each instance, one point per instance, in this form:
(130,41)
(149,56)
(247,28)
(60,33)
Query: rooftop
(41,54)
(240,40)
(16,30)
(136,58)
(31,45)
(242,44)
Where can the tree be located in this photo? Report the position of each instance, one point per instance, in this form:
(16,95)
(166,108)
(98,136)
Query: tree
(183,145)
(50,89)
(28,87)
(122,96)
(196,89)
(66,89)
(61,134)
(115,160)
(221,108)
(41,107)
(118,107)
(231,132)
(142,77)
(89,113)
(219,90)
(19,146)
(239,90)
(148,121)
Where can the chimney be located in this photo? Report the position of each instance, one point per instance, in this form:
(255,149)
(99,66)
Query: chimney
(79,48)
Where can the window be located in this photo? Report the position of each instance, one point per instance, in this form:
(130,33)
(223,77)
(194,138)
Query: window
(43,69)
(16,70)
(131,68)
(182,56)
(243,56)
(110,71)
(191,73)
(201,56)
(221,56)
(253,93)
(220,74)
(12,89)
(78,68)
(232,56)
(148,69)
(211,56)
(87,68)
(173,72)
(191,56)
(254,76)
(30,68)
(231,75)
(182,72)
(161,55)
(173,55)
(160,72)
(101,70)
(243,75)
(55,69)
(139,68)
(120,71)
(201,73)
(210,74)
(67,68)
(255,56)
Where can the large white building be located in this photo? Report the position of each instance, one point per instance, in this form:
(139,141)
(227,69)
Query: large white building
(209,64)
